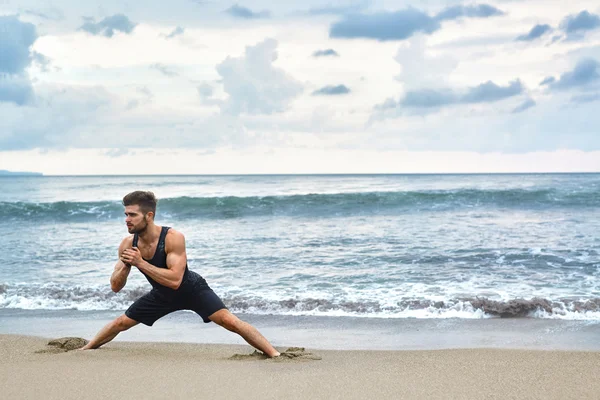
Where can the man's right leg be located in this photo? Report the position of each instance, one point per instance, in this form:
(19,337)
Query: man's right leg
(109,332)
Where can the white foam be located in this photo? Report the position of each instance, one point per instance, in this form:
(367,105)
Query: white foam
(348,304)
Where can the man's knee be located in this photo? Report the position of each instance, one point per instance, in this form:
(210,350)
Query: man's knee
(123,323)
(228,321)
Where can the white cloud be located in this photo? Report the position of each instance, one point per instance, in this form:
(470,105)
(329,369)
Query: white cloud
(254,85)
(420,68)
(59,117)
(234,89)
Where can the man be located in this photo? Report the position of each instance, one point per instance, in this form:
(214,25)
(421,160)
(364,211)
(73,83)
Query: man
(159,253)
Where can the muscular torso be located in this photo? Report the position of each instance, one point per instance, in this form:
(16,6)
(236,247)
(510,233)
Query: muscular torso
(155,253)
(147,249)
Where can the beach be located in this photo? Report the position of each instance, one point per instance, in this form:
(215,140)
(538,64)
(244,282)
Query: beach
(187,187)
(404,287)
(152,370)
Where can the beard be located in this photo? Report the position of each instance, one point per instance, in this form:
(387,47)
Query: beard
(139,229)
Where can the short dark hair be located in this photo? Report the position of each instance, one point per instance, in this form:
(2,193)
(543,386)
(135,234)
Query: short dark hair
(146,200)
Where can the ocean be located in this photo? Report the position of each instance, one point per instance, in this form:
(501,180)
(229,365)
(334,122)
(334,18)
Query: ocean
(346,254)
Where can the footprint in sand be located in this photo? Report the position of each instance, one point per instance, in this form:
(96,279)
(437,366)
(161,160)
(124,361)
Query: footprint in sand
(293,353)
(64,344)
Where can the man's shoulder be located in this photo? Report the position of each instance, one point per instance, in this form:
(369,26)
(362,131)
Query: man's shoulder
(174,240)
(174,235)
(127,241)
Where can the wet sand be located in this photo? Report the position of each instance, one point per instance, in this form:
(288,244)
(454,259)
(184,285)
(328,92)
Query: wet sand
(178,370)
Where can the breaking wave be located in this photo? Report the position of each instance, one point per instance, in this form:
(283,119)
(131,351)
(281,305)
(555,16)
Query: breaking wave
(58,297)
(336,204)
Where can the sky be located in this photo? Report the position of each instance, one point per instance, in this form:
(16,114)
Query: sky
(380,86)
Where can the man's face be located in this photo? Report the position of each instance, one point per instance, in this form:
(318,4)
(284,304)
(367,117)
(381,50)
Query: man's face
(135,219)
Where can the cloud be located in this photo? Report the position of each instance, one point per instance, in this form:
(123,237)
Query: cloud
(326,53)
(585,98)
(117,152)
(254,85)
(388,104)
(41,60)
(535,32)
(90,117)
(527,104)
(165,70)
(60,117)
(400,25)
(332,90)
(205,90)
(337,10)
(584,21)
(109,25)
(472,11)
(547,80)
(384,26)
(428,98)
(15,41)
(144,97)
(176,32)
(245,13)
(421,69)
(145,91)
(16,89)
(15,56)
(53,14)
(487,92)
(586,71)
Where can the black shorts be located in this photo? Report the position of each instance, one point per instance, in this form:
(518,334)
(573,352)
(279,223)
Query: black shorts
(155,304)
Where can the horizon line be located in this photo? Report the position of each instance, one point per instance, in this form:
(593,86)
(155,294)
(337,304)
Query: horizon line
(33,174)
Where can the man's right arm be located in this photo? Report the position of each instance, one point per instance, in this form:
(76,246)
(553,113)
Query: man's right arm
(118,278)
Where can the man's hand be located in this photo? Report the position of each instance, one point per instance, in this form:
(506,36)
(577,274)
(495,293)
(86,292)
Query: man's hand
(132,256)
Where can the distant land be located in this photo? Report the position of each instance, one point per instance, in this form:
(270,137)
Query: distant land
(4,172)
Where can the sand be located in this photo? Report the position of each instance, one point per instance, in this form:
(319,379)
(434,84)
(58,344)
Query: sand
(177,370)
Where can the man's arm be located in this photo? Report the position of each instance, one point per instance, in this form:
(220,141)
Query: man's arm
(118,278)
(170,277)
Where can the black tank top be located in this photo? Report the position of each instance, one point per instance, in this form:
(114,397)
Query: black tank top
(159,260)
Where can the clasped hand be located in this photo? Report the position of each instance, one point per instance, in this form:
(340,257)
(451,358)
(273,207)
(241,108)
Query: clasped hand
(132,256)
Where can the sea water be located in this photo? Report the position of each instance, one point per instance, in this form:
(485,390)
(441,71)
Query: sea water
(384,248)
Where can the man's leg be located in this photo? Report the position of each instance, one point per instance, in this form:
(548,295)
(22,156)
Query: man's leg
(109,332)
(250,334)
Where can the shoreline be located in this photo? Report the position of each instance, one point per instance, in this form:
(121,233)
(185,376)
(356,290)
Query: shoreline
(180,370)
(323,333)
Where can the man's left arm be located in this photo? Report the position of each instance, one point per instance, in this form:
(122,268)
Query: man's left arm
(172,276)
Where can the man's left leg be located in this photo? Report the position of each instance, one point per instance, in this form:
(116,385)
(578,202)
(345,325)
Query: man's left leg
(110,331)
(250,334)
